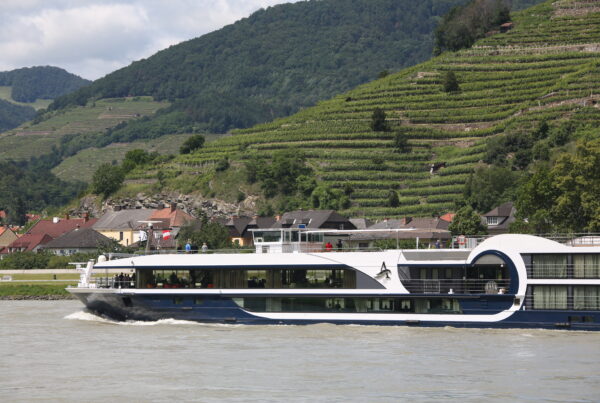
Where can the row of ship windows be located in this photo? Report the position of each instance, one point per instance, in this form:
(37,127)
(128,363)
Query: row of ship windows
(565,297)
(564,266)
(342,305)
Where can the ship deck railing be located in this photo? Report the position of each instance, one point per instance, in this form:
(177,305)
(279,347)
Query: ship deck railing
(457,286)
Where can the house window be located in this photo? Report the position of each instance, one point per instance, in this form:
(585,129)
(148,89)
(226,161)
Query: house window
(120,236)
(492,220)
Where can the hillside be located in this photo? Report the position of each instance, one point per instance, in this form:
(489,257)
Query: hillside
(40,82)
(25,90)
(545,69)
(277,61)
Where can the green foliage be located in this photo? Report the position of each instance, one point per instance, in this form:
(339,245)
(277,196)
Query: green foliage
(489,187)
(213,233)
(27,187)
(393,200)
(467,222)
(327,198)
(463,25)
(277,61)
(28,290)
(191,144)
(12,115)
(137,157)
(389,244)
(450,83)
(25,261)
(107,180)
(565,197)
(401,143)
(378,123)
(31,83)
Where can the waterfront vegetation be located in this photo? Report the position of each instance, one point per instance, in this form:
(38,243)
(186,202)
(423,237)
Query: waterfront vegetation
(34,290)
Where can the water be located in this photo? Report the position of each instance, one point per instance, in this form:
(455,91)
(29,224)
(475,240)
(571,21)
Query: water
(55,351)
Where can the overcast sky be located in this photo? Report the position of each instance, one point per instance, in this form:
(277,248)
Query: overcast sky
(92,38)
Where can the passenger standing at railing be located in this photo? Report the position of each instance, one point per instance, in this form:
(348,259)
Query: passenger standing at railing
(204,247)
(328,247)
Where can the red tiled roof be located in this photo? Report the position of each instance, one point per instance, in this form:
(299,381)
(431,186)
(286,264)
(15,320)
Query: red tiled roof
(2,214)
(61,227)
(176,217)
(28,242)
(448,217)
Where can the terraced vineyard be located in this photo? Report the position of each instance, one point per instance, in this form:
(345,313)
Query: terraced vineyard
(546,67)
(93,118)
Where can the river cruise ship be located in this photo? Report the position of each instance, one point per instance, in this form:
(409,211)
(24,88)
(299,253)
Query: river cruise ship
(506,281)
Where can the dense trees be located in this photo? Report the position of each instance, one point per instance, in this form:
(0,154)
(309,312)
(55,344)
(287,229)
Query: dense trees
(12,115)
(565,197)
(193,143)
(214,234)
(45,82)
(463,25)
(467,222)
(277,61)
(26,187)
(107,180)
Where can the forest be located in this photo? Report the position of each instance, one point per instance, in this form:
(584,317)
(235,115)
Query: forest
(41,82)
(276,61)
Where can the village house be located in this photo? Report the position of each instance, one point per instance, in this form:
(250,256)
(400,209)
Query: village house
(499,219)
(57,226)
(7,236)
(79,240)
(124,225)
(240,227)
(28,243)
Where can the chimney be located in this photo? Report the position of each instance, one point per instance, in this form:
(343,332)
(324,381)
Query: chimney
(406,220)
(66,216)
(277,218)
(173,207)
(86,217)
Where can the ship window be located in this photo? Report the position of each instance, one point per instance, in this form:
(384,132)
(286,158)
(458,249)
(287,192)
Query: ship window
(586,297)
(549,266)
(177,300)
(198,301)
(586,265)
(549,297)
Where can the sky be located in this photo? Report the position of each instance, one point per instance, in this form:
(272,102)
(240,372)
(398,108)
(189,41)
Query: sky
(92,38)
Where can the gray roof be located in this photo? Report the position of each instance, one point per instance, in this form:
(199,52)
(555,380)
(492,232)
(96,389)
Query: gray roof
(313,219)
(79,238)
(123,219)
(361,223)
(422,234)
(503,210)
(408,222)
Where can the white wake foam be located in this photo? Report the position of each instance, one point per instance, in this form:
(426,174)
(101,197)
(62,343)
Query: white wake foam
(88,316)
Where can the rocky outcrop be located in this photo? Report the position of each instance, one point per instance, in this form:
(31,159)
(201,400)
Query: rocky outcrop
(192,204)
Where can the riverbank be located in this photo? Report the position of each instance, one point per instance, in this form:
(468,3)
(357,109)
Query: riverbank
(25,291)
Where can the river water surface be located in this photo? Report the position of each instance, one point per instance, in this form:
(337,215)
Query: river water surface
(54,351)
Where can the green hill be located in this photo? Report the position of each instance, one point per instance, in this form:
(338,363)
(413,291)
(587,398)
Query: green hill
(40,82)
(23,91)
(546,69)
(276,61)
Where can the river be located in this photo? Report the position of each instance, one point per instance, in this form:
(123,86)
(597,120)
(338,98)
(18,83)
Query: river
(54,351)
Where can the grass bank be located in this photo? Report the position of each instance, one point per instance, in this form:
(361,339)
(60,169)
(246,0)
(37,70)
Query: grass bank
(34,291)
